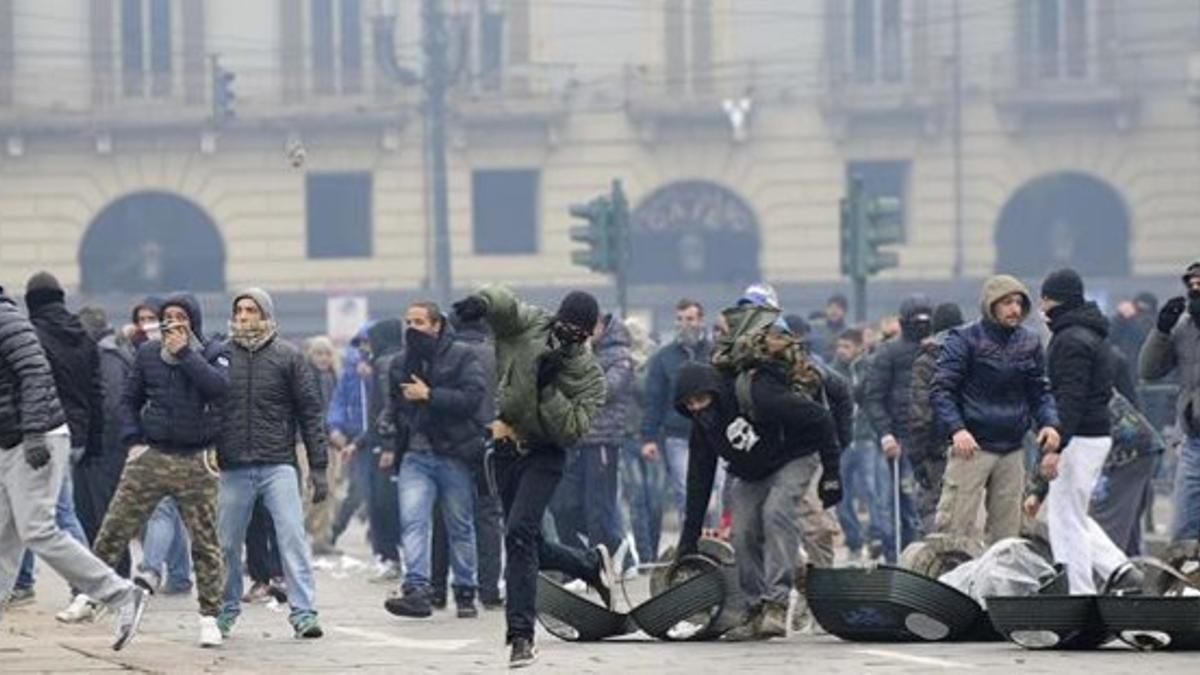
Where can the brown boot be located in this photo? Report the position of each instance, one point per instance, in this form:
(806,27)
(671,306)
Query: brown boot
(748,629)
(773,621)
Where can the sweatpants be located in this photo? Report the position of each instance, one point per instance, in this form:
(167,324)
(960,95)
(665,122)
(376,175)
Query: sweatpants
(27,501)
(766,529)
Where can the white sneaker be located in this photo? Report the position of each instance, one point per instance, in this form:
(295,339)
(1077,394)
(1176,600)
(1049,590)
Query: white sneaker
(129,617)
(81,610)
(210,634)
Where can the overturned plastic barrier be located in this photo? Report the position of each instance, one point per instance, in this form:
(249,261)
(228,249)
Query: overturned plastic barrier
(890,604)
(1149,624)
(695,598)
(1050,621)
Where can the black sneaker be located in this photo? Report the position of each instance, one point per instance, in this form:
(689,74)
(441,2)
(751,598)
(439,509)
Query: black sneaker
(493,605)
(467,610)
(413,605)
(438,600)
(605,575)
(523,653)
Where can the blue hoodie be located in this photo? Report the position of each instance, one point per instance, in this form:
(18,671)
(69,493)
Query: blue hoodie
(348,405)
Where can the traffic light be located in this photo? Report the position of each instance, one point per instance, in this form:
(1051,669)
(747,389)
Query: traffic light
(596,235)
(867,225)
(849,237)
(223,97)
(883,229)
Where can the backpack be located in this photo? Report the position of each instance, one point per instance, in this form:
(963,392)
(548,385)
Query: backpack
(744,348)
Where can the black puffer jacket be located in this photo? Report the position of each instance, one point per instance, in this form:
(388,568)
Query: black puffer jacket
(75,362)
(457,385)
(888,388)
(272,396)
(115,366)
(28,400)
(1082,370)
(176,407)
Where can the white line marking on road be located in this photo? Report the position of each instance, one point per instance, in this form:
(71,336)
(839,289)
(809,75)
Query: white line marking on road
(920,660)
(408,643)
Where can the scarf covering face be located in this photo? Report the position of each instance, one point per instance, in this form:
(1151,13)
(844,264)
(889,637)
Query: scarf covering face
(253,336)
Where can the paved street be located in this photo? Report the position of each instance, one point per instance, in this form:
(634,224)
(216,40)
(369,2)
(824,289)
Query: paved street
(361,637)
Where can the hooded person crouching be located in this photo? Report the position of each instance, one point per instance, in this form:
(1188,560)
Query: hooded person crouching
(775,458)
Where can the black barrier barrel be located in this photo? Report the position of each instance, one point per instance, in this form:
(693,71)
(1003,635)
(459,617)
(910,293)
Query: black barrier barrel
(570,617)
(1153,623)
(1050,621)
(889,604)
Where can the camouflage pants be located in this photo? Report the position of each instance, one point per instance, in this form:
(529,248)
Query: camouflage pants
(146,480)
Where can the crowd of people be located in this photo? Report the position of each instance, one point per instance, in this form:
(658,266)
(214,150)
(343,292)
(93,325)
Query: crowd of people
(486,441)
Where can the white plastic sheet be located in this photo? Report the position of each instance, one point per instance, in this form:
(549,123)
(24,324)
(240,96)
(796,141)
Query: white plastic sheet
(1010,568)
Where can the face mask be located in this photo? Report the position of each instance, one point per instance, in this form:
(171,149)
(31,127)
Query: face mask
(917,330)
(152,330)
(689,336)
(420,343)
(568,334)
(1194,306)
(706,418)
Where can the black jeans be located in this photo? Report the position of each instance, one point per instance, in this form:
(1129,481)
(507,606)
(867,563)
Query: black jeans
(527,483)
(489,537)
(262,553)
(95,480)
(585,504)
(383,512)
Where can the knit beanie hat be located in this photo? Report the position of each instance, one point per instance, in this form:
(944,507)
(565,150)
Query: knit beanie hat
(947,315)
(260,298)
(43,289)
(579,309)
(1064,286)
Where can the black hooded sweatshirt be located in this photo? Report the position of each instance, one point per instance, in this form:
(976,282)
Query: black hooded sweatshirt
(787,427)
(1082,370)
(75,361)
(888,387)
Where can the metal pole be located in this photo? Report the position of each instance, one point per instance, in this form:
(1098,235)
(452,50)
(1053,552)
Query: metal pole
(436,82)
(958,143)
(896,504)
(860,300)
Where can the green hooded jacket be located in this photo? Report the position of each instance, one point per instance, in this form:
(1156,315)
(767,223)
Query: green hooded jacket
(562,412)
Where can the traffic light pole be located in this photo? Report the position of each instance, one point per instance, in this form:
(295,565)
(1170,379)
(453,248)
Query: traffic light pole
(860,300)
(620,221)
(437,80)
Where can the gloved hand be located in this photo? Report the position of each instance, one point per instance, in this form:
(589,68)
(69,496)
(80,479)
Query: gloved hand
(320,485)
(1169,315)
(471,308)
(37,452)
(550,365)
(830,488)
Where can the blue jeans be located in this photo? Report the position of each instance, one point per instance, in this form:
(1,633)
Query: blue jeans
(675,451)
(910,516)
(65,518)
(424,478)
(675,457)
(166,543)
(642,485)
(279,487)
(859,474)
(1186,523)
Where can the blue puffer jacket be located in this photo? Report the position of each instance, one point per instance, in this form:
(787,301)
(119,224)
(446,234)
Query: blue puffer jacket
(991,380)
(613,352)
(176,407)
